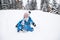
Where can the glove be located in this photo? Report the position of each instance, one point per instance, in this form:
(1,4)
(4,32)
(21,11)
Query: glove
(16,25)
(34,24)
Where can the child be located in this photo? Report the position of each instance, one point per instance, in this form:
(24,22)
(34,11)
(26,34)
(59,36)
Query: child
(25,23)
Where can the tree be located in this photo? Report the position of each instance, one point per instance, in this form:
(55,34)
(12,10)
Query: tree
(45,5)
(5,4)
(54,3)
(0,5)
(19,4)
(31,5)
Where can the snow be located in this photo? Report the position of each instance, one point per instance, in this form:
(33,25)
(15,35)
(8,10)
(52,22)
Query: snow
(48,25)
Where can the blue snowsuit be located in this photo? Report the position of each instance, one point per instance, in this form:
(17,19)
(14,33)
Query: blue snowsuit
(26,26)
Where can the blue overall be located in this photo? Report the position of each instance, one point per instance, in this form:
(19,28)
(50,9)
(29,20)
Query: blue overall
(26,26)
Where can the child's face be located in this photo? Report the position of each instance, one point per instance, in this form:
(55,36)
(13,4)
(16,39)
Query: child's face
(26,15)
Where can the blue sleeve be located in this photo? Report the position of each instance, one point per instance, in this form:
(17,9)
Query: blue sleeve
(19,23)
(31,20)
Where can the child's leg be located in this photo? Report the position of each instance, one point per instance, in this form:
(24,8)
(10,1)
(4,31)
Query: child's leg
(30,29)
(19,28)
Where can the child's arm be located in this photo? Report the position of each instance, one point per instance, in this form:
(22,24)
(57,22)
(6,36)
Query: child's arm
(19,23)
(32,22)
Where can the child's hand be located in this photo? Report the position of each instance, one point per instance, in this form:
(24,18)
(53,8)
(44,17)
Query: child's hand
(16,26)
(34,24)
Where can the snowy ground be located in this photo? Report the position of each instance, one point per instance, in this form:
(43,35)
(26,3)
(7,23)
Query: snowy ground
(48,25)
